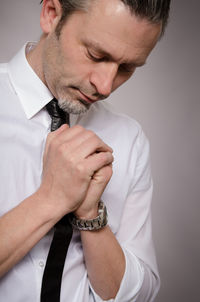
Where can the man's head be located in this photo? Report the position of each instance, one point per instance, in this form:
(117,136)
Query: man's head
(96,47)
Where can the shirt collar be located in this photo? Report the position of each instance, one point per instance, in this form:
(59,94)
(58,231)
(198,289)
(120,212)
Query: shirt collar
(32,92)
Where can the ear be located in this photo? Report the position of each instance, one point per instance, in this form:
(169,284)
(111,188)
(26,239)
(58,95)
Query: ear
(50,15)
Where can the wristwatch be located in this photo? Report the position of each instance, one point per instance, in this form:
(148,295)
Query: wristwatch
(91,224)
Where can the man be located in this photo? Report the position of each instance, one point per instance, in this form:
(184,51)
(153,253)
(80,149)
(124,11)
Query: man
(87,50)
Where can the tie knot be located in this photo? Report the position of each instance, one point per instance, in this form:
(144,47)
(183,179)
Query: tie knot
(54,110)
(58,116)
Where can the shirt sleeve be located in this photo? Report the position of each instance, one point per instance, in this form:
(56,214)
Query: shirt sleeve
(141,281)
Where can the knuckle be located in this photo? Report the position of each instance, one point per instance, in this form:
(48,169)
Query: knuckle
(71,160)
(97,142)
(103,157)
(80,169)
(78,127)
(90,133)
(106,157)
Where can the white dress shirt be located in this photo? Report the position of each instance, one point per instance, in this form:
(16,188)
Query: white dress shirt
(24,125)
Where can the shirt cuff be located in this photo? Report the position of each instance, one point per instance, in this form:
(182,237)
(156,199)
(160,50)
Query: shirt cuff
(131,282)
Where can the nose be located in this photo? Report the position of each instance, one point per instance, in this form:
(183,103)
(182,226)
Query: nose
(103,76)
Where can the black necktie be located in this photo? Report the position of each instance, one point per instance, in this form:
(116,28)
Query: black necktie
(52,277)
(58,116)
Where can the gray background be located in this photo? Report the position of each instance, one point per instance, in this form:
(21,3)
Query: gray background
(164,97)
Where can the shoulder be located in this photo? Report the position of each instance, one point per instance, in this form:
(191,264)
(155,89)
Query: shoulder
(120,124)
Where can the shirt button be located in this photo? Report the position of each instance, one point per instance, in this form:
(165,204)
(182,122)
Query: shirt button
(41,264)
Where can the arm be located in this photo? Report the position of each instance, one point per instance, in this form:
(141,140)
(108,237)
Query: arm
(135,232)
(21,228)
(114,265)
(124,267)
(70,160)
(138,248)
(103,254)
(105,261)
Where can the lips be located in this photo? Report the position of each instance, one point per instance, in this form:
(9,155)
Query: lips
(87,98)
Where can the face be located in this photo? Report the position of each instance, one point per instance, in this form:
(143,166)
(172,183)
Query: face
(96,52)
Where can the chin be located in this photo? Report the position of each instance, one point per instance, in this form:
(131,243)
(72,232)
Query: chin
(73,106)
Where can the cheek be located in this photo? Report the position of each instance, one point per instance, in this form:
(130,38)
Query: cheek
(72,63)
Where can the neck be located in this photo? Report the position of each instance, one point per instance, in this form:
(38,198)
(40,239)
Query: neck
(34,58)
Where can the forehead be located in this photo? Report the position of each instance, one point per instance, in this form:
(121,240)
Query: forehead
(111,26)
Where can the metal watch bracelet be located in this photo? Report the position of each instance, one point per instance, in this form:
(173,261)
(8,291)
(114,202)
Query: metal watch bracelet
(91,224)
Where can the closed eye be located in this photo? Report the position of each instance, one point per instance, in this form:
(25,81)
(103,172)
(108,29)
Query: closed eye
(95,58)
(123,68)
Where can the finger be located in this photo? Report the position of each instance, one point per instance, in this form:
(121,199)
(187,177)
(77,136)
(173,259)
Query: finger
(72,137)
(96,188)
(51,136)
(80,143)
(97,161)
(103,175)
(83,148)
(77,135)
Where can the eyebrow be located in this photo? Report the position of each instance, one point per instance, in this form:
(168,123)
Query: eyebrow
(96,47)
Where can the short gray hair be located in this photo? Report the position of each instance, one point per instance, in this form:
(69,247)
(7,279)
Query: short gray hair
(155,11)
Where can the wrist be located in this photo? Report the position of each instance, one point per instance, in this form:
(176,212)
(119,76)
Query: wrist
(48,206)
(86,214)
(91,224)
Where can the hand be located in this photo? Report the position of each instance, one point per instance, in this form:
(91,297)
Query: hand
(74,159)
(89,207)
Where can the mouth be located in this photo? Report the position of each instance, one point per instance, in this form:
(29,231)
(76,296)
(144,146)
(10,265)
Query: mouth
(86,98)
